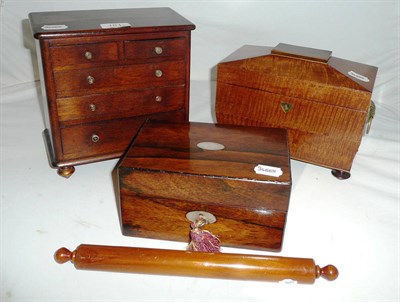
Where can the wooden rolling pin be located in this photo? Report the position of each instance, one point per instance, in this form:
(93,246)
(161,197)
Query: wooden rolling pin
(195,264)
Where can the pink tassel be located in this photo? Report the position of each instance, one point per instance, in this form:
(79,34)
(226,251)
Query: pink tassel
(202,240)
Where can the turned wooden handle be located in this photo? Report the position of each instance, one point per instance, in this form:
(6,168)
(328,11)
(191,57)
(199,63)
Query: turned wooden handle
(195,264)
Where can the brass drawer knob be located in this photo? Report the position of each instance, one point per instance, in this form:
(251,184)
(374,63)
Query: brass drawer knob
(95,138)
(158,50)
(158,73)
(90,80)
(158,98)
(88,55)
(92,107)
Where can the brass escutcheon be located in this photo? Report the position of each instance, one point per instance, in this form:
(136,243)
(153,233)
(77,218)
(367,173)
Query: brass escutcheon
(211,146)
(286,107)
(194,215)
(95,138)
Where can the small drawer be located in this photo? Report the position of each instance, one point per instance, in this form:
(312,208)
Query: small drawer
(147,49)
(112,79)
(124,104)
(108,137)
(83,54)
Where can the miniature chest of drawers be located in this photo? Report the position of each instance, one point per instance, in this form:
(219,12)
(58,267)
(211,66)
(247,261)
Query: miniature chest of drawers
(103,73)
(240,176)
(324,102)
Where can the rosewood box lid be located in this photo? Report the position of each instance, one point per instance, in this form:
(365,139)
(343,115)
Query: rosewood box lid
(114,21)
(211,150)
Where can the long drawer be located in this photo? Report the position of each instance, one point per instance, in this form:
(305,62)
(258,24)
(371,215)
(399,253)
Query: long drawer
(110,79)
(123,104)
(90,139)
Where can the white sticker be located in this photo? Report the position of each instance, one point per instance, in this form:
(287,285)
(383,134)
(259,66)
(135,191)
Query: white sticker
(115,25)
(288,281)
(54,27)
(358,76)
(268,170)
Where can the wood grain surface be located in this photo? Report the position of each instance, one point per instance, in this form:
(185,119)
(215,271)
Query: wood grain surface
(164,175)
(195,264)
(326,109)
(105,82)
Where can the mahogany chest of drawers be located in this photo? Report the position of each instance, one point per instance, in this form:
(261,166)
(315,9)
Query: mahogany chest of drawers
(324,102)
(103,73)
(239,176)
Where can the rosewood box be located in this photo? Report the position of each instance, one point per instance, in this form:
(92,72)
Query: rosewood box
(324,102)
(239,175)
(103,73)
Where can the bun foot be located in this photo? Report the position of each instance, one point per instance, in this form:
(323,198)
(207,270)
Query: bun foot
(339,174)
(66,171)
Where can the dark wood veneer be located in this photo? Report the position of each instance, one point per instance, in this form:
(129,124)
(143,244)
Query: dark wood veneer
(164,175)
(101,84)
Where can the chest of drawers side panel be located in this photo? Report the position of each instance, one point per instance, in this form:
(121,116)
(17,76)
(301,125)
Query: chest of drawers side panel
(187,73)
(49,107)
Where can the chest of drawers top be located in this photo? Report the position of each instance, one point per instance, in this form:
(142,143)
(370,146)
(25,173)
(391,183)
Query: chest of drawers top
(110,21)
